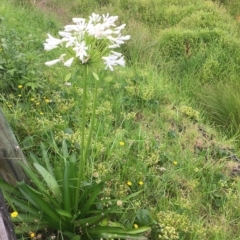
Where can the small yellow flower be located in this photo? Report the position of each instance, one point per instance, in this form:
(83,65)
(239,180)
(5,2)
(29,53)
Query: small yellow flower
(175,163)
(14,214)
(37,103)
(41,113)
(20,86)
(129,183)
(47,100)
(140,183)
(19,95)
(121,143)
(135,226)
(32,99)
(32,235)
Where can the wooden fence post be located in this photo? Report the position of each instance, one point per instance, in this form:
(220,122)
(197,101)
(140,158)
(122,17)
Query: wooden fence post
(10,171)
(10,154)
(6,226)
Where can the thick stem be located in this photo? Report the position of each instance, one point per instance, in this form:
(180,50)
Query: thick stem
(82,145)
(92,119)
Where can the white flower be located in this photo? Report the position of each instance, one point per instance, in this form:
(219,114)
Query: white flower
(99,31)
(95,18)
(48,47)
(109,21)
(69,62)
(113,60)
(51,43)
(80,50)
(93,39)
(50,63)
(119,39)
(53,62)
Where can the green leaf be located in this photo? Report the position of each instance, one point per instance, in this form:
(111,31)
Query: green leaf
(26,207)
(7,187)
(34,157)
(26,218)
(66,195)
(64,150)
(114,232)
(90,198)
(49,179)
(95,76)
(45,158)
(68,77)
(34,178)
(64,213)
(49,214)
(77,237)
(143,217)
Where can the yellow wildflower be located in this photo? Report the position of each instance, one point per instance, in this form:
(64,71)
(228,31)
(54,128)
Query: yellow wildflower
(20,86)
(121,143)
(32,99)
(140,182)
(175,163)
(32,235)
(135,226)
(14,214)
(47,100)
(41,113)
(129,183)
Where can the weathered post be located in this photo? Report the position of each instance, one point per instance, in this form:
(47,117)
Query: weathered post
(6,226)
(10,154)
(10,171)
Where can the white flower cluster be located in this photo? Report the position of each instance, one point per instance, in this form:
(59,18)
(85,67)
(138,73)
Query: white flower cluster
(90,41)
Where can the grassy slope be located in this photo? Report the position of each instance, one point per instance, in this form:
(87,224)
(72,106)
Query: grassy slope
(183,163)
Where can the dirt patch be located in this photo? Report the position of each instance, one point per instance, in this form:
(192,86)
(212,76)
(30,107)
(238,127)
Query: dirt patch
(60,13)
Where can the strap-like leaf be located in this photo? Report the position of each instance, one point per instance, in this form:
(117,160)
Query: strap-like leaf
(66,195)
(91,198)
(45,158)
(49,179)
(49,213)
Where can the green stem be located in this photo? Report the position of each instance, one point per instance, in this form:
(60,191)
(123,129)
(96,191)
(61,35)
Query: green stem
(82,145)
(92,119)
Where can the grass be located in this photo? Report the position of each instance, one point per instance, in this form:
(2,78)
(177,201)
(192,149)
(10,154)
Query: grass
(181,53)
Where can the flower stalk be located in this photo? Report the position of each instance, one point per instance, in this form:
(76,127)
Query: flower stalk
(88,45)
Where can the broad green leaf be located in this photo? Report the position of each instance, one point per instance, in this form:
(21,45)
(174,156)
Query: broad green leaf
(49,213)
(7,187)
(64,150)
(143,216)
(34,178)
(90,200)
(114,232)
(72,169)
(26,207)
(34,157)
(77,237)
(139,230)
(66,195)
(49,179)
(64,213)
(26,218)
(45,158)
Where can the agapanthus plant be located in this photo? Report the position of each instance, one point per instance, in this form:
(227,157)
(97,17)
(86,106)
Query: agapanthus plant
(64,199)
(90,42)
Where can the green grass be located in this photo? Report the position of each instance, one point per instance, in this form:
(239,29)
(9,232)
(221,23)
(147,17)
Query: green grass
(175,107)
